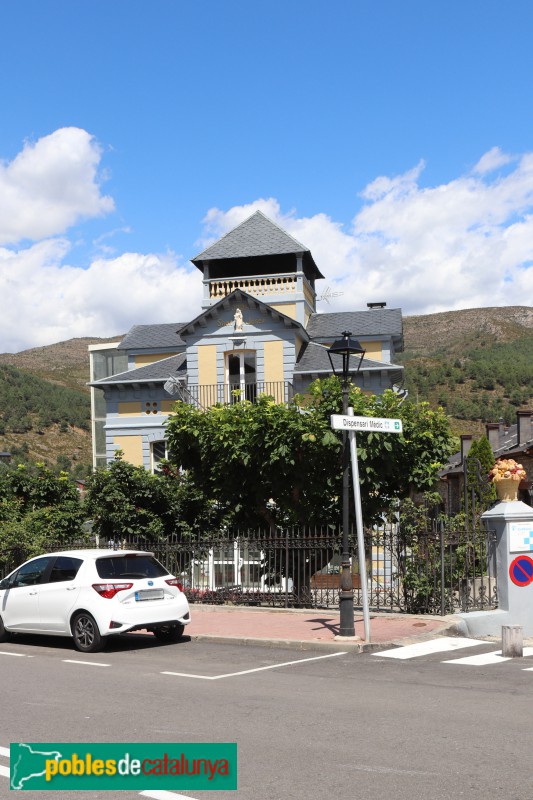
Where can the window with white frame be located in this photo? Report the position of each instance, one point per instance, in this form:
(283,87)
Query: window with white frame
(158,452)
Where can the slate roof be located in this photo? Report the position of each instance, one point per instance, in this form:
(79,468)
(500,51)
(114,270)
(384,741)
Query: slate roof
(508,447)
(149,337)
(509,443)
(314,359)
(256,236)
(158,372)
(377,322)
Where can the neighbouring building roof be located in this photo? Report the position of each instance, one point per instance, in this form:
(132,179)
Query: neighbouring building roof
(508,443)
(148,337)
(503,440)
(158,372)
(377,322)
(256,236)
(314,359)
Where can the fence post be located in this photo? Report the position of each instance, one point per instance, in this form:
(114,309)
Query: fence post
(286,568)
(442,573)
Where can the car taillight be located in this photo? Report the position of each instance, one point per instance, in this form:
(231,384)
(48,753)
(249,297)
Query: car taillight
(175,582)
(109,590)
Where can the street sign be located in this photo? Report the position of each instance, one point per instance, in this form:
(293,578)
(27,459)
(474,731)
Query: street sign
(521,537)
(521,571)
(339,422)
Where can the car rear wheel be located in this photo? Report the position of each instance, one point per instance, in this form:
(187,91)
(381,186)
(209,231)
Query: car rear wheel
(4,635)
(85,633)
(169,633)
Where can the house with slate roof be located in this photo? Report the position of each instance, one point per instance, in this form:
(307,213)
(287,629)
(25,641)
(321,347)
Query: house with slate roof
(513,441)
(258,333)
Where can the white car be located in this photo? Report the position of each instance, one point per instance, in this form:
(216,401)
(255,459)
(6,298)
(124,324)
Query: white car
(92,594)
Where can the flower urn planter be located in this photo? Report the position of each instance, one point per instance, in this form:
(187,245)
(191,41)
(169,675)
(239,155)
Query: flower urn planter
(506,489)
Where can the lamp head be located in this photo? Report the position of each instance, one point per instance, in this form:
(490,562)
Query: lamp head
(346,347)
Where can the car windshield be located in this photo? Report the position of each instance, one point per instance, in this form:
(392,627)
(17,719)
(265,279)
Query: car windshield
(130,566)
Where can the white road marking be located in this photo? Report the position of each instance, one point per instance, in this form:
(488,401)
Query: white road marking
(494,657)
(248,671)
(387,770)
(19,655)
(162,794)
(480,660)
(527,651)
(4,751)
(86,663)
(440,645)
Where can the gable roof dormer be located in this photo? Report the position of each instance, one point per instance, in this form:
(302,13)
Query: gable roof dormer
(246,300)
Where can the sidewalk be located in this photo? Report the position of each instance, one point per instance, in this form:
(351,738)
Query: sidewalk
(308,629)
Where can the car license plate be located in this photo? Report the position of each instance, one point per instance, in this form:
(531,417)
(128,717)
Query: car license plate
(149,594)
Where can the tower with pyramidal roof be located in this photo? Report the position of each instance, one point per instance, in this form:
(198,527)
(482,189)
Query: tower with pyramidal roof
(258,332)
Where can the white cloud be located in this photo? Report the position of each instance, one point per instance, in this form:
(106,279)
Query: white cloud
(49,301)
(492,160)
(50,185)
(462,244)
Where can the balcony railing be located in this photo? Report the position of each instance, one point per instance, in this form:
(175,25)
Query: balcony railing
(205,396)
(260,286)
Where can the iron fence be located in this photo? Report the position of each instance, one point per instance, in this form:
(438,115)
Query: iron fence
(234,391)
(434,571)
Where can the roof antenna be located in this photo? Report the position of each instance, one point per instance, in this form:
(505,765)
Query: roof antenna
(328,295)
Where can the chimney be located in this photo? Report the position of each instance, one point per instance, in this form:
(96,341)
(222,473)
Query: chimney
(523,427)
(466,444)
(493,435)
(376,305)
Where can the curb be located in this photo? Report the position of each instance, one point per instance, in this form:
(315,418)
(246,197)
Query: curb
(450,629)
(289,644)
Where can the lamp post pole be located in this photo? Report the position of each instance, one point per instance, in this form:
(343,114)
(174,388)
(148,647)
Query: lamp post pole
(346,347)
(346,597)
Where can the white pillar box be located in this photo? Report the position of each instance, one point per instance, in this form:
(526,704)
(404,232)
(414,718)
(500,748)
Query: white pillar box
(511,555)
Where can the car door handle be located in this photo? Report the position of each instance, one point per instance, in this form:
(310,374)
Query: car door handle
(32,592)
(71,588)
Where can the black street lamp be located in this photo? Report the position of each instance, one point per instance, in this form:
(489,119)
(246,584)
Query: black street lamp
(346,348)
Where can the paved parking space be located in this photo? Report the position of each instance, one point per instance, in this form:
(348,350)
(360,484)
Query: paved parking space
(298,720)
(143,654)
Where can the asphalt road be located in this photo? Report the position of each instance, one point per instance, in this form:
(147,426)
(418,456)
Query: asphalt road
(350,726)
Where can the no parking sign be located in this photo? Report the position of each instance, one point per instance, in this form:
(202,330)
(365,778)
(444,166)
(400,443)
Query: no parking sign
(521,571)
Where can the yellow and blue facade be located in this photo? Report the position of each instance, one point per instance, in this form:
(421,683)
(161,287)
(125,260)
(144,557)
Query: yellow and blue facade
(258,332)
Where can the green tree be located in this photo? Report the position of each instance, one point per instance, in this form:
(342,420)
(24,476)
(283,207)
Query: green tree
(36,486)
(127,502)
(276,464)
(38,509)
(479,462)
(263,463)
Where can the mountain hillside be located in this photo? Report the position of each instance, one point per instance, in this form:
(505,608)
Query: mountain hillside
(45,404)
(477,363)
(65,363)
(453,332)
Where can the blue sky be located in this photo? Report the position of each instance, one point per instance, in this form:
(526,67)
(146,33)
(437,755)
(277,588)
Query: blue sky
(392,138)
